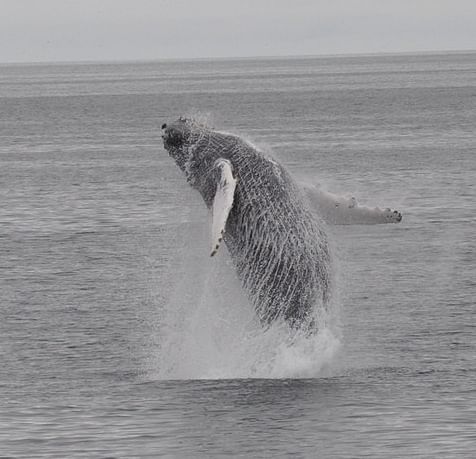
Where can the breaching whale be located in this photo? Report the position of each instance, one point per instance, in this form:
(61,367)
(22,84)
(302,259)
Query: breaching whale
(275,239)
(277,245)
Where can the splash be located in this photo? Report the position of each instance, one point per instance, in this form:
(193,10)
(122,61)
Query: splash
(209,330)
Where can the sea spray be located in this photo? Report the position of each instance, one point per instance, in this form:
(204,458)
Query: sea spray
(208,329)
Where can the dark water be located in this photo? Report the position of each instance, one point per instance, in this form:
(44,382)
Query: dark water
(120,337)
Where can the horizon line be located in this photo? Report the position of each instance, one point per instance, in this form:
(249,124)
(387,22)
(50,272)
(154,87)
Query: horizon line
(243,57)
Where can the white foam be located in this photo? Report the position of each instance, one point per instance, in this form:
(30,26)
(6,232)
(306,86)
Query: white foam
(209,330)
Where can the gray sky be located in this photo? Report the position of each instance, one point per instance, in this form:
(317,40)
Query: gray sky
(69,30)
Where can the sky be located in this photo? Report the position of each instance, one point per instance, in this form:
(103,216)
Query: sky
(88,30)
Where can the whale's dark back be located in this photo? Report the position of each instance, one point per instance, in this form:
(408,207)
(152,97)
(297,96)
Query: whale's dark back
(277,245)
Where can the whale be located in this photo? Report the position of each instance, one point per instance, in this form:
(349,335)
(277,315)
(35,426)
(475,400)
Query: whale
(277,244)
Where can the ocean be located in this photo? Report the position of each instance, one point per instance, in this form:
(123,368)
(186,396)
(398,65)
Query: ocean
(121,338)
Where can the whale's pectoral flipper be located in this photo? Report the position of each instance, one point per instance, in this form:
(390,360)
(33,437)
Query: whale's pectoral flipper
(344,210)
(223,201)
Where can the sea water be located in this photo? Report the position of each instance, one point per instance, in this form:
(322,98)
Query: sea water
(121,337)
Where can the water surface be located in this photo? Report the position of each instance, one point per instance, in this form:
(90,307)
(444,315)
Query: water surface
(104,249)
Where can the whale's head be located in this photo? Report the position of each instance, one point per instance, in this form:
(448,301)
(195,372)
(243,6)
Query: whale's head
(180,138)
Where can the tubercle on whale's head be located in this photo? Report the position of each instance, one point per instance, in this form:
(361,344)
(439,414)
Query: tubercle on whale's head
(179,138)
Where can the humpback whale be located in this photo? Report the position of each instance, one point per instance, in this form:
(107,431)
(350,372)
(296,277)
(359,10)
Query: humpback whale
(278,246)
(274,235)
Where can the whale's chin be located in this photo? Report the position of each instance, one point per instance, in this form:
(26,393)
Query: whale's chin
(173,140)
(175,137)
